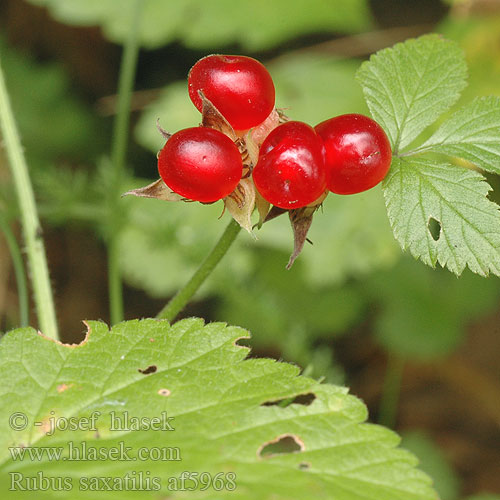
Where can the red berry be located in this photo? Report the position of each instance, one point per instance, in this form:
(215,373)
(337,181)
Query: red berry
(290,172)
(200,164)
(239,87)
(357,153)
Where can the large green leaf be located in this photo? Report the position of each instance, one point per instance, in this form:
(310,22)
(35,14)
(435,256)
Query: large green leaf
(409,85)
(254,25)
(421,193)
(220,418)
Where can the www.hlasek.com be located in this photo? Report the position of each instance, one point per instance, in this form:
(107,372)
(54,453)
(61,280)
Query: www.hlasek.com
(133,481)
(82,452)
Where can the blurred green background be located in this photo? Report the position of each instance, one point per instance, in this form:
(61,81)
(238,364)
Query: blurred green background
(420,346)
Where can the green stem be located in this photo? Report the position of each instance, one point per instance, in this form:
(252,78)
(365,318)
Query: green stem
(177,303)
(390,393)
(119,149)
(37,260)
(17,261)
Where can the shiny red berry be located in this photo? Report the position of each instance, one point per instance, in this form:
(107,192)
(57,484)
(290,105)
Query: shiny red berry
(239,87)
(357,153)
(290,172)
(200,164)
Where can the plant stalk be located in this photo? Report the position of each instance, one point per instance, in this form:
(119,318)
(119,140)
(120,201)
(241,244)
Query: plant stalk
(17,262)
(179,301)
(35,250)
(391,390)
(118,153)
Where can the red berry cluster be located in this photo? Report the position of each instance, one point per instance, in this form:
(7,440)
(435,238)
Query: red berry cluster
(296,163)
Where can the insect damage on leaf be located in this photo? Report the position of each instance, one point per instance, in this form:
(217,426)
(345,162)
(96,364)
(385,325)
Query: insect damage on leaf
(283,444)
(147,371)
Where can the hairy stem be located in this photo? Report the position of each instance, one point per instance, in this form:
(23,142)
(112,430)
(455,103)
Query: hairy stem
(118,153)
(388,408)
(17,261)
(179,301)
(35,250)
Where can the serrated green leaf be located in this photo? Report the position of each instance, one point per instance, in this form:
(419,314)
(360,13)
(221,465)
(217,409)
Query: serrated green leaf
(472,133)
(417,190)
(197,377)
(409,85)
(254,25)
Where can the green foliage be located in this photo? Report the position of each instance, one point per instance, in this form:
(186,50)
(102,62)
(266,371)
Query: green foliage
(53,122)
(423,314)
(434,463)
(438,211)
(353,233)
(472,134)
(477,35)
(161,244)
(254,25)
(409,85)
(418,189)
(282,301)
(215,398)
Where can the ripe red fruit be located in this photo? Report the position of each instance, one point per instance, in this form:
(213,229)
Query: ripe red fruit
(239,87)
(290,172)
(200,164)
(357,153)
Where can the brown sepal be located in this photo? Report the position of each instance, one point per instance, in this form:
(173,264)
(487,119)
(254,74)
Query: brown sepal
(274,212)
(158,190)
(166,135)
(212,118)
(241,203)
(301,219)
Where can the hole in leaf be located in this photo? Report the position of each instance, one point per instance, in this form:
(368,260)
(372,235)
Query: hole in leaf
(242,341)
(286,443)
(304,465)
(301,399)
(148,370)
(434,227)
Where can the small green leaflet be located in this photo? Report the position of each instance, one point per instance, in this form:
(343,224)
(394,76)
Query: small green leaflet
(472,133)
(407,88)
(221,410)
(417,189)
